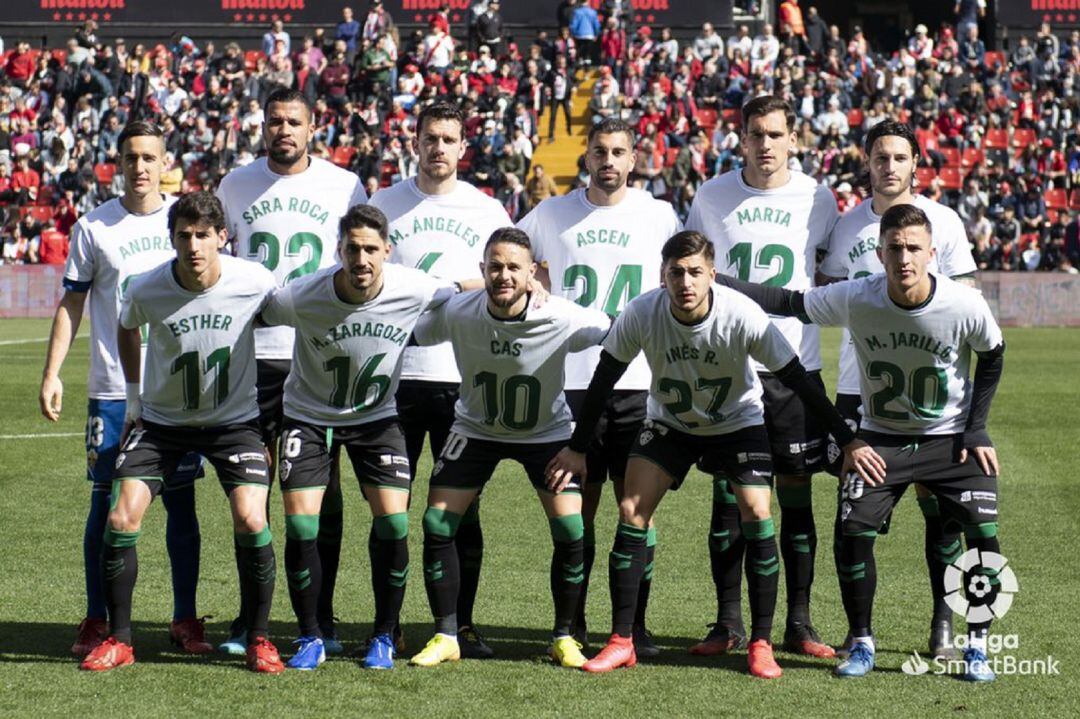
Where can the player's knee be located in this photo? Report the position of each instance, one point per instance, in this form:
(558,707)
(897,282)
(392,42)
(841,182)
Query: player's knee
(251,522)
(630,513)
(120,520)
(440,523)
(756,512)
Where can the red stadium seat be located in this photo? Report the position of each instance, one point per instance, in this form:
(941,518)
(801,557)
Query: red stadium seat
(670,156)
(732,115)
(41,213)
(1026,240)
(487,191)
(972,157)
(1074,199)
(996,138)
(343,156)
(251,57)
(60,55)
(952,156)
(855,118)
(104,172)
(925,175)
(951,178)
(994,57)
(1023,137)
(1056,199)
(706,118)
(1052,215)
(466,160)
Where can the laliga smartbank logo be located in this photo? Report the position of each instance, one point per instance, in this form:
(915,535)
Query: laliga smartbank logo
(970,593)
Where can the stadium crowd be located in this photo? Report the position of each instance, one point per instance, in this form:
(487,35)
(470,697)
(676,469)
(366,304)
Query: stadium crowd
(999,132)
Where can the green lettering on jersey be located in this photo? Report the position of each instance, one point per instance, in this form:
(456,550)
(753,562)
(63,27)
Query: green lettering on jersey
(144,244)
(292,205)
(767,215)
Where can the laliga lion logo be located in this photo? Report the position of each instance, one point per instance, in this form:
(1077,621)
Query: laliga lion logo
(915,665)
(645,438)
(979,586)
(286,469)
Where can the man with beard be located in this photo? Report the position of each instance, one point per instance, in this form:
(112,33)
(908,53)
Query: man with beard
(600,247)
(512,360)
(438,223)
(283,211)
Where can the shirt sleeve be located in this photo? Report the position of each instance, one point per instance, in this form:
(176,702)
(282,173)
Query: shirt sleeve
(828,305)
(359,194)
(954,254)
(623,341)
(279,309)
(834,264)
(984,334)
(530,225)
(432,328)
(79,268)
(765,342)
(435,292)
(823,218)
(230,222)
(131,309)
(587,327)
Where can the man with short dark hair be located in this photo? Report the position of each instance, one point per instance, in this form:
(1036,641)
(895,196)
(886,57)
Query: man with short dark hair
(282,211)
(600,247)
(110,246)
(704,409)
(767,224)
(199,397)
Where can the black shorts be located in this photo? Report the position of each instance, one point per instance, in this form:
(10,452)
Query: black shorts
(468,463)
(153,454)
(742,456)
(797,437)
(615,433)
(425,409)
(376,450)
(848,407)
(270,377)
(964,493)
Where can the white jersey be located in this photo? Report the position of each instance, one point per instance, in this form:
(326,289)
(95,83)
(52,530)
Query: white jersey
(852,254)
(913,363)
(770,237)
(109,247)
(703,377)
(513,370)
(200,357)
(289,224)
(347,358)
(601,257)
(442,235)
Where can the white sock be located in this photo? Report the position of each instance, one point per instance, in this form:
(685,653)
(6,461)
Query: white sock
(868,641)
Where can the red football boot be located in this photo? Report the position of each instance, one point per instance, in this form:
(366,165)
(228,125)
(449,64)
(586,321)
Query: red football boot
(92,633)
(110,654)
(190,635)
(759,656)
(263,657)
(619,652)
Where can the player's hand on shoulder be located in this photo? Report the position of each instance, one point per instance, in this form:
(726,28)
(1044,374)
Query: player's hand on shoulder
(985,457)
(51,398)
(859,457)
(538,294)
(563,467)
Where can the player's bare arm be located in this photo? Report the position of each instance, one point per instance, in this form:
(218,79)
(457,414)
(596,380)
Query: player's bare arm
(65,326)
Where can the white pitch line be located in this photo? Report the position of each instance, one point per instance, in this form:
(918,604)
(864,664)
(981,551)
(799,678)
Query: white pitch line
(42,436)
(34,340)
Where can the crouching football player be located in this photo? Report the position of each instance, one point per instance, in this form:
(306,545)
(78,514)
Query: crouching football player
(199,396)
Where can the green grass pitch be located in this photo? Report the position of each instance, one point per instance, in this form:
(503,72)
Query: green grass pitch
(43,498)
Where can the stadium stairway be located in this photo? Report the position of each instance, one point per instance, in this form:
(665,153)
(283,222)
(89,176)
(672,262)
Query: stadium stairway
(560,158)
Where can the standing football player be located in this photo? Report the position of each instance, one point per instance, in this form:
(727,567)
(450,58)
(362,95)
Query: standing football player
(511,406)
(438,224)
(600,247)
(767,224)
(352,323)
(283,212)
(892,153)
(913,333)
(110,246)
(705,408)
(199,396)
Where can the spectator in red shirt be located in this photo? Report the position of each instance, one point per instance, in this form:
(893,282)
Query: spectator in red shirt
(53,246)
(20,66)
(25,181)
(612,45)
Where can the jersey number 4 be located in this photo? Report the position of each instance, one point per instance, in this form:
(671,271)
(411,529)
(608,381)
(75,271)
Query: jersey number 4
(625,286)
(293,248)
